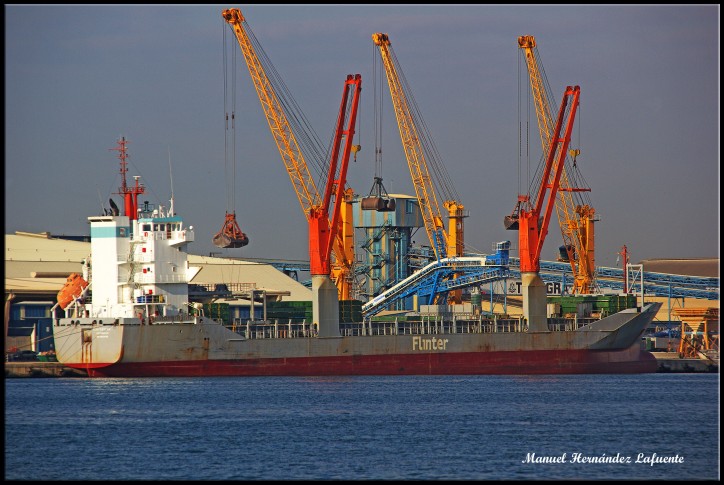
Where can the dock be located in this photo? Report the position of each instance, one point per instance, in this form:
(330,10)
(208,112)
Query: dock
(671,362)
(41,369)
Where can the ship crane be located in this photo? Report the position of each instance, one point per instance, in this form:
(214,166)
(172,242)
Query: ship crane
(323,229)
(292,157)
(531,216)
(420,154)
(576,217)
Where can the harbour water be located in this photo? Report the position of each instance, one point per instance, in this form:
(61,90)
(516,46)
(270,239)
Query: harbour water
(360,428)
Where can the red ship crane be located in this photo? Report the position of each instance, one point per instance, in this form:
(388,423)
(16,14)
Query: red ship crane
(322,229)
(129,194)
(532,218)
(527,215)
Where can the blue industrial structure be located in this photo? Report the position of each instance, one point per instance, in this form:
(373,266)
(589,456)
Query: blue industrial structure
(442,276)
(386,241)
(437,280)
(655,284)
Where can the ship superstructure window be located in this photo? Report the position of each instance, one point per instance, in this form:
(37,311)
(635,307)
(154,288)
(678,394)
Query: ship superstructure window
(146,227)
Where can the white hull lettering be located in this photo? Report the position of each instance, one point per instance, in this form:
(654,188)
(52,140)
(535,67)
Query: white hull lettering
(419,343)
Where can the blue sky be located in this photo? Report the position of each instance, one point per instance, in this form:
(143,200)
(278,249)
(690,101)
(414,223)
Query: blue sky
(79,77)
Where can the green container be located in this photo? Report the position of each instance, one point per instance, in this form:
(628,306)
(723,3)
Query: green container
(217,310)
(297,311)
(609,304)
(350,311)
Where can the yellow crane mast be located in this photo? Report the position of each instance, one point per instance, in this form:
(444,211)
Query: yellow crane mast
(576,218)
(445,243)
(294,162)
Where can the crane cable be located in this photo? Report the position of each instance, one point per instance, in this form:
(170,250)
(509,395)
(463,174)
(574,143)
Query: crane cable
(316,157)
(442,184)
(378,109)
(523,158)
(310,144)
(443,181)
(573,172)
(229,159)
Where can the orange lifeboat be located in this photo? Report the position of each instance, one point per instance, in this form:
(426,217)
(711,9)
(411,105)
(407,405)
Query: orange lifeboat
(74,286)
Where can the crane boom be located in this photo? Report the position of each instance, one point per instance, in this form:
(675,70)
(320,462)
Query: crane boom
(424,190)
(533,229)
(292,157)
(322,230)
(281,130)
(575,220)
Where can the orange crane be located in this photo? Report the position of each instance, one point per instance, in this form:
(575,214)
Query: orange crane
(322,229)
(418,149)
(576,218)
(293,159)
(531,217)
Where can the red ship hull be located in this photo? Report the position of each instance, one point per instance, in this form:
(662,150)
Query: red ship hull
(629,361)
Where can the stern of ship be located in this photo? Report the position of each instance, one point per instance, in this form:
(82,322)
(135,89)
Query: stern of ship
(87,347)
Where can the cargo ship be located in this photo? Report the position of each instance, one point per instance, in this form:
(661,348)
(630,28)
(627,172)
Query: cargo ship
(129,315)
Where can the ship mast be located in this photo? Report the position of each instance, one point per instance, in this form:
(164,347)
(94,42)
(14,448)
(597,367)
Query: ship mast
(129,194)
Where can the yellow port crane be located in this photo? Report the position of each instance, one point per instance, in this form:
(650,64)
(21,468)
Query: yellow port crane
(576,218)
(304,186)
(416,145)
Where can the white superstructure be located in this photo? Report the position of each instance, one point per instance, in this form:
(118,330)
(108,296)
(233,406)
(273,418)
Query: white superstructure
(139,267)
